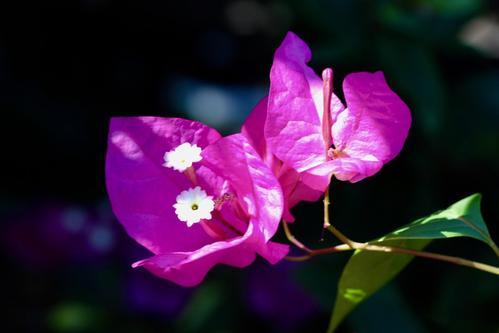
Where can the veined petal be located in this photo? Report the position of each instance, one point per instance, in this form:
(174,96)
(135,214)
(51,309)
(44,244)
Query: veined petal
(189,268)
(293,127)
(293,189)
(259,193)
(253,129)
(373,127)
(344,168)
(257,189)
(141,190)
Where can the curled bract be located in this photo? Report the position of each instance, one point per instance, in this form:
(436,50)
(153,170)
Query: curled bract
(306,144)
(366,134)
(247,198)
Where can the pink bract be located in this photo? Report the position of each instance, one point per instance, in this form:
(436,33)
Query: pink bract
(366,134)
(294,190)
(142,193)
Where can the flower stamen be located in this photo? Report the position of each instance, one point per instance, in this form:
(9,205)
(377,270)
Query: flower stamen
(222,199)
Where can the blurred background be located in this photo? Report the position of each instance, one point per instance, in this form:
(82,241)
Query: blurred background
(66,67)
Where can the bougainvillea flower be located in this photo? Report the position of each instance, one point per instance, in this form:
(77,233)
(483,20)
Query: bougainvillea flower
(351,142)
(239,198)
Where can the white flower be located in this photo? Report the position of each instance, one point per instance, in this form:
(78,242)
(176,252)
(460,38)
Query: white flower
(182,157)
(193,206)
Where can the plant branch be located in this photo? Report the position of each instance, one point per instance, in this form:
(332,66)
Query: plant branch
(350,245)
(344,239)
(292,238)
(397,250)
(431,255)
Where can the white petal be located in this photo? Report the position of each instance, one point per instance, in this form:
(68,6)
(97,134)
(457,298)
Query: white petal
(182,156)
(193,196)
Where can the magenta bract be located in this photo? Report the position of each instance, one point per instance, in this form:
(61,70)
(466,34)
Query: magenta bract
(293,188)
(366,134)
(143,191)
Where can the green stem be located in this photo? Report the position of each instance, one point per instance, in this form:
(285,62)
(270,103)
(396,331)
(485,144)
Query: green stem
(430,255)
(326,202)
(390,249)
(292,238)
(344,239)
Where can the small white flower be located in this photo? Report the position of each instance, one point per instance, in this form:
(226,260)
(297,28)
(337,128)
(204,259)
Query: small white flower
(182,157)
(193,206)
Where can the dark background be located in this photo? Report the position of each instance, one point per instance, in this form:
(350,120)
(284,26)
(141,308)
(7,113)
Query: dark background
(66,67)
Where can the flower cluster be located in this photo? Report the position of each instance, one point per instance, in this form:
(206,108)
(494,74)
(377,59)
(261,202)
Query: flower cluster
(196,199)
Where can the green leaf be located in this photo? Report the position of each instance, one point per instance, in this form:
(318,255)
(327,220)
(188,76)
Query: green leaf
(462,219)
(366,272)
